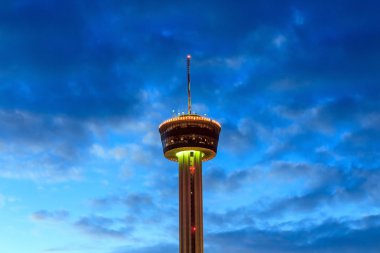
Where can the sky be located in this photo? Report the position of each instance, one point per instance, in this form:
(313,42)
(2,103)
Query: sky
(85,84)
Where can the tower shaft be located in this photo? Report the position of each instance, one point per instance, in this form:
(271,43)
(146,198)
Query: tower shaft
(190,202)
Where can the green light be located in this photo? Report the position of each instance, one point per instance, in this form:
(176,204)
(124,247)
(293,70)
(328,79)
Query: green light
(187,152)
(181,153)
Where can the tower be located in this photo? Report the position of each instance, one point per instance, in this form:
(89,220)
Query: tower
(190,139)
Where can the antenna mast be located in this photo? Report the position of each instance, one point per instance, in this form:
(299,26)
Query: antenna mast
(188,85)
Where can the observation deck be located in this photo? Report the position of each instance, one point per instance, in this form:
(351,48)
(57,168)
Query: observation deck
(190,132)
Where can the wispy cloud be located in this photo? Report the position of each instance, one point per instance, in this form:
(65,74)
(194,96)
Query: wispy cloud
(333,235)
(100,226)
(42,215)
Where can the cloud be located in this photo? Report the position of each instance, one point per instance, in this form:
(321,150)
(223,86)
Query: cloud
(139,213)
(136,202)
(99,60)
(216,179)
(360,143)
(40,147)
(241,136)
(102,227)
(49,173)
(333,235)
(35,130)
(43,215)
(312,191)
(55,148)
(277,171)
(321,131)
(116,153)
(138,153)
(60,66)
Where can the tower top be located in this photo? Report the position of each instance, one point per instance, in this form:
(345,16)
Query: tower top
(189,132)
(188,85)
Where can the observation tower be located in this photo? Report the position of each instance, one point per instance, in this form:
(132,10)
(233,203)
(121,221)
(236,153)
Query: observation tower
(190,139)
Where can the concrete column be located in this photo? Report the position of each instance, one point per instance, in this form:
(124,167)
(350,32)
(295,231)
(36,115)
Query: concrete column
(190,202)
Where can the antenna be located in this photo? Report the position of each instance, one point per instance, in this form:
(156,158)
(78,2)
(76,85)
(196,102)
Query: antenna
(188,85)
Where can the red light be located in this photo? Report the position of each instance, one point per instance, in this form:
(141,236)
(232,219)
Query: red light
(193,229)
(192,169)
(188,56)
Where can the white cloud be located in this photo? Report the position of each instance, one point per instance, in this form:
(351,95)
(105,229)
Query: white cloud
(116,153)
(98,150)
(36,172)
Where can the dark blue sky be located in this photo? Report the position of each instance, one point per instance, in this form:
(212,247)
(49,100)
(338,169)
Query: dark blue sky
(85,84)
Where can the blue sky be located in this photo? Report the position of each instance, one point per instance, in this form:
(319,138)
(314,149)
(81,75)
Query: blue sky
(85,84)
